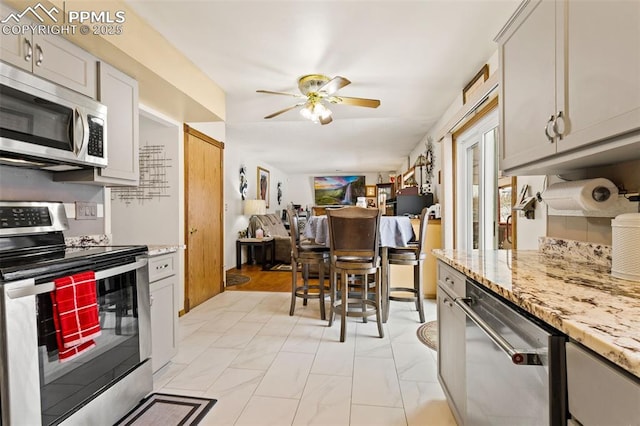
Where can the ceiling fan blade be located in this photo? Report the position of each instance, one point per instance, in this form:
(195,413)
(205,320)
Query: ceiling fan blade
(270,92)
(363,102)
(283,111)
(333,85)
(327,120)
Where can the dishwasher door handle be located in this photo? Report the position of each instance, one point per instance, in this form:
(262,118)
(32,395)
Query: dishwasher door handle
(518,356)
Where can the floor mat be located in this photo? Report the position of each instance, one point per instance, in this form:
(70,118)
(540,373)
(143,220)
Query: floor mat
(428,334)
(281,267)
(168,410)
(236,279)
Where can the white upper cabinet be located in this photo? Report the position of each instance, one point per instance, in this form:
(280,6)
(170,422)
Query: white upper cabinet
(50,57)
(570,84)
(119,92)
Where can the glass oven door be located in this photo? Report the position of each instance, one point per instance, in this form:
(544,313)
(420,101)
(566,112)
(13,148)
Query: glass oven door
(30,351)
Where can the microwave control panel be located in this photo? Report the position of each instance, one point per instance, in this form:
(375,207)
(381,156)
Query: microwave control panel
(96,136)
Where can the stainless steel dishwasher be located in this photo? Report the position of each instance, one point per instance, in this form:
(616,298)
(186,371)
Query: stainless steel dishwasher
(515,365)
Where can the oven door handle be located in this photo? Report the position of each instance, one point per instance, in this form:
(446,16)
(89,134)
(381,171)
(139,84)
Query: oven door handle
(35,289)
(517,356)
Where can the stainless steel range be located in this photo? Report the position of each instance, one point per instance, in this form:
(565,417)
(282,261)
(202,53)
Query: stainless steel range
(104,382)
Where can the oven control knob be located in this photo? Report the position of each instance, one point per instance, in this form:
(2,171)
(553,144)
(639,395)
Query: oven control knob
(517,358)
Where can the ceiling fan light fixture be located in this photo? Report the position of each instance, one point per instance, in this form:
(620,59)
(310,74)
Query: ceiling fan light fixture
(315,111)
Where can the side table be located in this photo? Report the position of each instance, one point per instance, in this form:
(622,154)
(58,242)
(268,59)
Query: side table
(265,244)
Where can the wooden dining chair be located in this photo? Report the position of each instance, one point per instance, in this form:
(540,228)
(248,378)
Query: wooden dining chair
(306,255)
(353,240)
(413,255)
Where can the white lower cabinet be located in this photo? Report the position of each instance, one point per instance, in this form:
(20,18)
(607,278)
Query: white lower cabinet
(164,318)
(451,340)
(598,392)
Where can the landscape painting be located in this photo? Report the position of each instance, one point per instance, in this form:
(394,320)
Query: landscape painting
(338,190)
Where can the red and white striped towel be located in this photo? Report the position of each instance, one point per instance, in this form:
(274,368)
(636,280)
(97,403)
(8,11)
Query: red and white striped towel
(75,314)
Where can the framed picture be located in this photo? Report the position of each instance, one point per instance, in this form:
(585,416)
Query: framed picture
(263,185)
(338,190)
(370,191)
(475,82)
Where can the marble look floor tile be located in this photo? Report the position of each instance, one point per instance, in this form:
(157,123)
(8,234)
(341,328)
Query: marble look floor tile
(326,400)
(204,370)
(238,335)
(287,375)
(375,382)
(369,343)
(186,328)
(259,353)
(414,361)
(232,389)
(334,358)
(194,345)
(366,415)
(266,411)
(165,374)
(304,339)
(332,334)
(425,403)
(223,322)
(273,368)
(278,325)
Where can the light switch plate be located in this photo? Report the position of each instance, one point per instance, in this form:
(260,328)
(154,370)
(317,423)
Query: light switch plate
(86,210)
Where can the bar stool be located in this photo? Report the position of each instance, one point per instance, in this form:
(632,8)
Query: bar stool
(354,240)
(413,255)
(306,255)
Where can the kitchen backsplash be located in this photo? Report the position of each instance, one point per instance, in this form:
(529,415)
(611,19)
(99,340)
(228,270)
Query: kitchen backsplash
(577,251)
(20,184)
(593,229)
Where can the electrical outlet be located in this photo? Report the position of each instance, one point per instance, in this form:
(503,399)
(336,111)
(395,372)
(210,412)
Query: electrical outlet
(86,210)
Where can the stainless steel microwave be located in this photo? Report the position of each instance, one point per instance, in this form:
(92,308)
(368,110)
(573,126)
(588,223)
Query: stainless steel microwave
(46,126)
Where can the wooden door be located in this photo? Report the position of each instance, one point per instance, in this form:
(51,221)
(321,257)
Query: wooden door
(204,217)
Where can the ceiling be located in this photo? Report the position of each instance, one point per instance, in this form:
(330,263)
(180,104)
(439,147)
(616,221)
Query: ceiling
(415,56)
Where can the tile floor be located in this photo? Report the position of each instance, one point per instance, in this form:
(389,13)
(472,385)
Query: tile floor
(268,368)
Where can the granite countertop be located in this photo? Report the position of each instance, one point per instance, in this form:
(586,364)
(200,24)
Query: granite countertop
(580,299)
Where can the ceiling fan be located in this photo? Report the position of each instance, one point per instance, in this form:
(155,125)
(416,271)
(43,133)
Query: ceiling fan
(316,91)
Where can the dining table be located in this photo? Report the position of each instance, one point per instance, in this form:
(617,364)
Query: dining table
(395,231)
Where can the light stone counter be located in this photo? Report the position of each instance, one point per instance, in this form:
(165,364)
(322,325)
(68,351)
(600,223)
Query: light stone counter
(158,249)
(580,299)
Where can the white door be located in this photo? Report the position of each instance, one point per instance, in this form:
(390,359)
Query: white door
(476,184)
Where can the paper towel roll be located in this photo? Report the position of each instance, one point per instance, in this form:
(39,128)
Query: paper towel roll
(587,194)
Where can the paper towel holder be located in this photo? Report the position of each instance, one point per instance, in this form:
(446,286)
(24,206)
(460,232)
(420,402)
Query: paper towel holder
(528,206)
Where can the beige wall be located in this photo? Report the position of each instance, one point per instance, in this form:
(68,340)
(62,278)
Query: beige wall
(595,229)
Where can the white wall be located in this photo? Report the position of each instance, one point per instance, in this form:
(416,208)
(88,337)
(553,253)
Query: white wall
(443,183)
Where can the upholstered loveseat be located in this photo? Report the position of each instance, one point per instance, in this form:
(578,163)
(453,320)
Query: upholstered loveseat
(273,226)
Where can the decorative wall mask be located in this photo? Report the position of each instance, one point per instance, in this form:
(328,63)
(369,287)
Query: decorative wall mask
(279,192)
(243,182)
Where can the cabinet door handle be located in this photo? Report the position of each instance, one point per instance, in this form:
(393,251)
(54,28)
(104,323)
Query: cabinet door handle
(28,50)
(166,265)
(448,302)
(556,130)
(550,122)
(193,231)
(448,281)
(40,55)
(150,300)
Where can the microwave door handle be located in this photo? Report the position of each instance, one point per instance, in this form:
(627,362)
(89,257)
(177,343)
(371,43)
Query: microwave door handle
(85,132)
(33,290)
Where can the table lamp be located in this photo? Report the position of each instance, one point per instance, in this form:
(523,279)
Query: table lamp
(254,207)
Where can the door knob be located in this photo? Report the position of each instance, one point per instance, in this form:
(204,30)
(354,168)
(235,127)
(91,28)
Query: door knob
(193,231)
